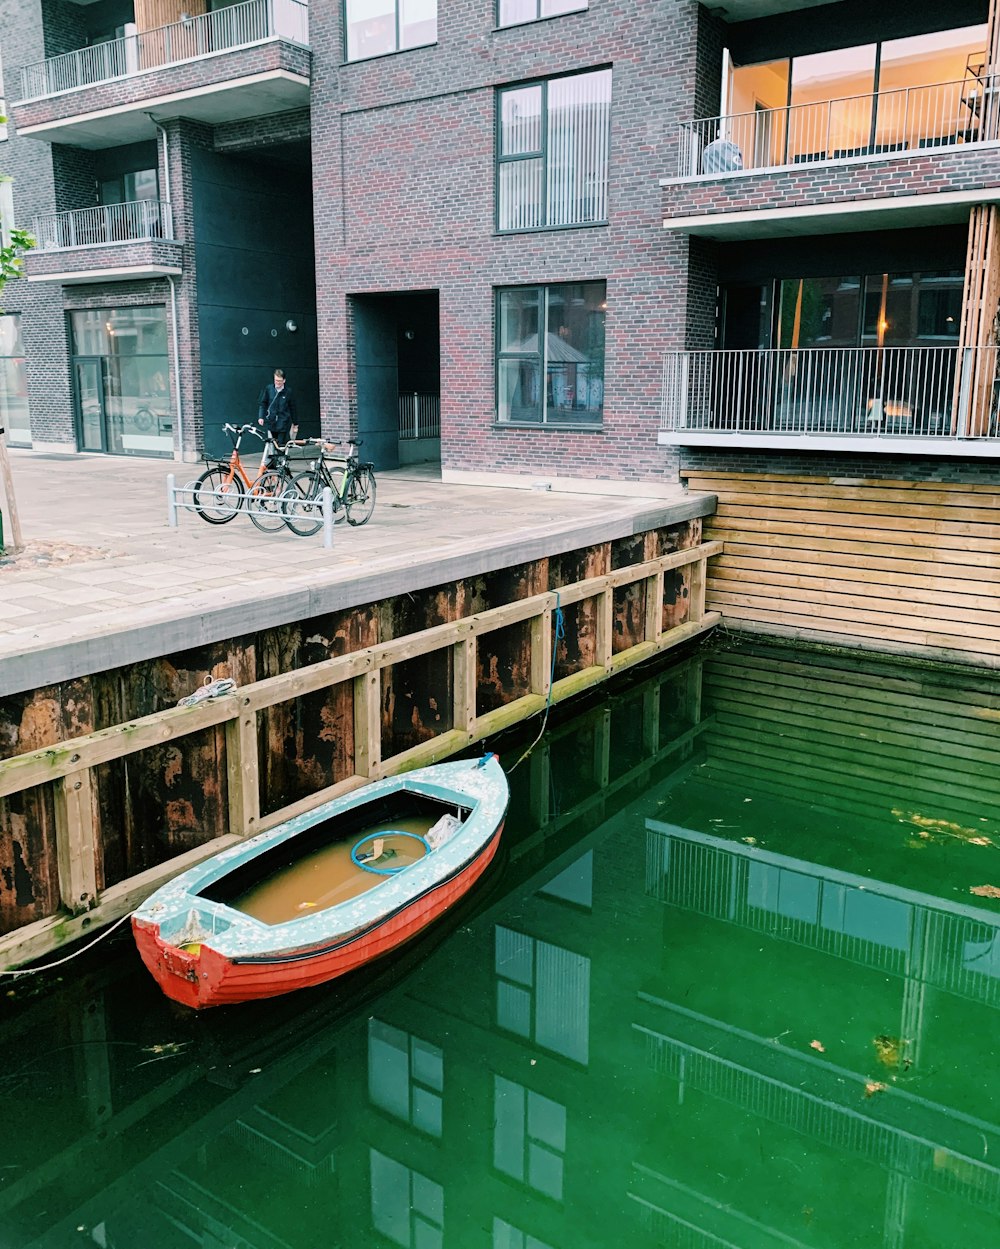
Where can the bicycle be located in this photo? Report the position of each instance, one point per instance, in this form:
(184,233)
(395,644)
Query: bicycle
(220,492)
(351,483)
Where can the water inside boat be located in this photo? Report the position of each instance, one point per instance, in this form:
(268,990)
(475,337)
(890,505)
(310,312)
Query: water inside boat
(329,876)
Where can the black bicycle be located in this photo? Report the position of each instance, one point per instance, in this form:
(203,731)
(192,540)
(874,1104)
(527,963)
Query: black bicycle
(351,483)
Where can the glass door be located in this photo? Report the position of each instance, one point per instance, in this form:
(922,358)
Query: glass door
(90,403)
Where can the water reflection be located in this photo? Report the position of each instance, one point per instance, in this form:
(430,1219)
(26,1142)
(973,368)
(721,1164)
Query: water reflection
(722,989)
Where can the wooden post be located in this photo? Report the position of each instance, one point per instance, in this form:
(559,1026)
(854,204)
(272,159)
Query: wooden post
(541,653)
(76,841)
(242,772)
(12,523)
(463,656)
(602,748)
(654,608)
(696,600)
(651,719)
(604,648)
(368,724)
(540,784)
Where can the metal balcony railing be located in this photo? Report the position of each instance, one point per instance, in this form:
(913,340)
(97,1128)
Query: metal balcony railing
(912,118)
(871,392)
(419,416)
(105,223)
(236,26)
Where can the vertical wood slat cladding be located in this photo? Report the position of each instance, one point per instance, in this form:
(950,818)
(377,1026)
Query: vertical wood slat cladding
(152,14)
(894,565)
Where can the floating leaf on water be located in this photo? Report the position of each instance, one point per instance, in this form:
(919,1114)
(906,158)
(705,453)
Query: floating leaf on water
(873,1086)
(817,1045)
(985,891)
(889,1050)
(750,841)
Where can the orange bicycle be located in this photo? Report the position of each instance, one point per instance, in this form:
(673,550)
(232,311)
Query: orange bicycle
(225,488)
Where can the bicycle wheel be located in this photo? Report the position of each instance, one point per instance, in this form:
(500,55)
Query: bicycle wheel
(304,503)
(360,499)
(217,496)
(265,506)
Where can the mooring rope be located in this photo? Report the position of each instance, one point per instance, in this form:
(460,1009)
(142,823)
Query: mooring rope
(33,971)
(560,632)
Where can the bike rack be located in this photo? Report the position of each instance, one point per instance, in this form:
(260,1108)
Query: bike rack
(181,499)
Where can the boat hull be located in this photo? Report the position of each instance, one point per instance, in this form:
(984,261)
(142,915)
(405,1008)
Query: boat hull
(209,978)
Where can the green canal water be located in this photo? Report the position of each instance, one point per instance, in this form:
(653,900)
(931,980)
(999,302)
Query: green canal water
(733,981)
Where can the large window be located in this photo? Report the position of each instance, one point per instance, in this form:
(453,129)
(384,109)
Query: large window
(13,383)
(552,152)
(917,92)
(121,368)
(550,354)
(513,12)
(375,27)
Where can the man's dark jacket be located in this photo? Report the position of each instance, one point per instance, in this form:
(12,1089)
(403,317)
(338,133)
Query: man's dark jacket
(277,410)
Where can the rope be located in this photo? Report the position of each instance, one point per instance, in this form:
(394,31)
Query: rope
(560,633)
(33,971)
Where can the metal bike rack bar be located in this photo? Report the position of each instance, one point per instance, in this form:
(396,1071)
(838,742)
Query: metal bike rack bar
(181,499)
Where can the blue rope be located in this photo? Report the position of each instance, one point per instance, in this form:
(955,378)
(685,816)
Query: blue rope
(559,620)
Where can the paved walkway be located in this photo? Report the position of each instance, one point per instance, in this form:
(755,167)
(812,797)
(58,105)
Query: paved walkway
(105,581)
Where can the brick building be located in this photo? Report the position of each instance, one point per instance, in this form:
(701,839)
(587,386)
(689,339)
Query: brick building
(570,240)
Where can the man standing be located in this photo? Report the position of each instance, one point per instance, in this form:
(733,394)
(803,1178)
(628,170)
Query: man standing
(276,409)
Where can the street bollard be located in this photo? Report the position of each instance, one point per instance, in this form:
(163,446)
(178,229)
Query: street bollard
(171,502)
(327,516)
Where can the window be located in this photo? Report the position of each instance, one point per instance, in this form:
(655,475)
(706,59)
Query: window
(13,383)
(529,1137)
(120,359)
(552,152)
(6,209)
(375,27)
(550,354)
(407,1207)
(543,993)
(513,12)
(3,107)
(916,92)
(405,1076)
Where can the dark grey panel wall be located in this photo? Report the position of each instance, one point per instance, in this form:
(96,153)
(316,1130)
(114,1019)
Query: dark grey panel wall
(254,256)
(375,332)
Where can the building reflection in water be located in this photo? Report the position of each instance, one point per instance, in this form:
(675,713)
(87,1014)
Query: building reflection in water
(726,987)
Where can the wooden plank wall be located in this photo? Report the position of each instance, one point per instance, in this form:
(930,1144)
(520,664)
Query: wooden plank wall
(902,566)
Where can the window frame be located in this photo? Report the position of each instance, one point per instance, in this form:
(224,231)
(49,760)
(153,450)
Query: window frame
(542,153)
(360,60)
(583,6)
(578,426)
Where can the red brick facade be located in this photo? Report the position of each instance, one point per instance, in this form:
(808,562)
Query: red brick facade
(404,173)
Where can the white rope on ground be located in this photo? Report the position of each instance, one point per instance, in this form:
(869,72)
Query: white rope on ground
(33,971)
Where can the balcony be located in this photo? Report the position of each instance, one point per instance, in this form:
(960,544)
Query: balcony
(860,127)
(243,61)
(890,400)
(908,157)
(109,242)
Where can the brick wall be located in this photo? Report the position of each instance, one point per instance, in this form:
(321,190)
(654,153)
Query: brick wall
(696,460)
(30,165)
(960,169)
(115,255)
(257,132)
(403,167)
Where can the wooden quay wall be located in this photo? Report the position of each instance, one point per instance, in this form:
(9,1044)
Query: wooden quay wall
(108,788)
(906,566)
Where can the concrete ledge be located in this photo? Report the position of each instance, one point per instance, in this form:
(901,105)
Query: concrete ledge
(562,485)
(237,608)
